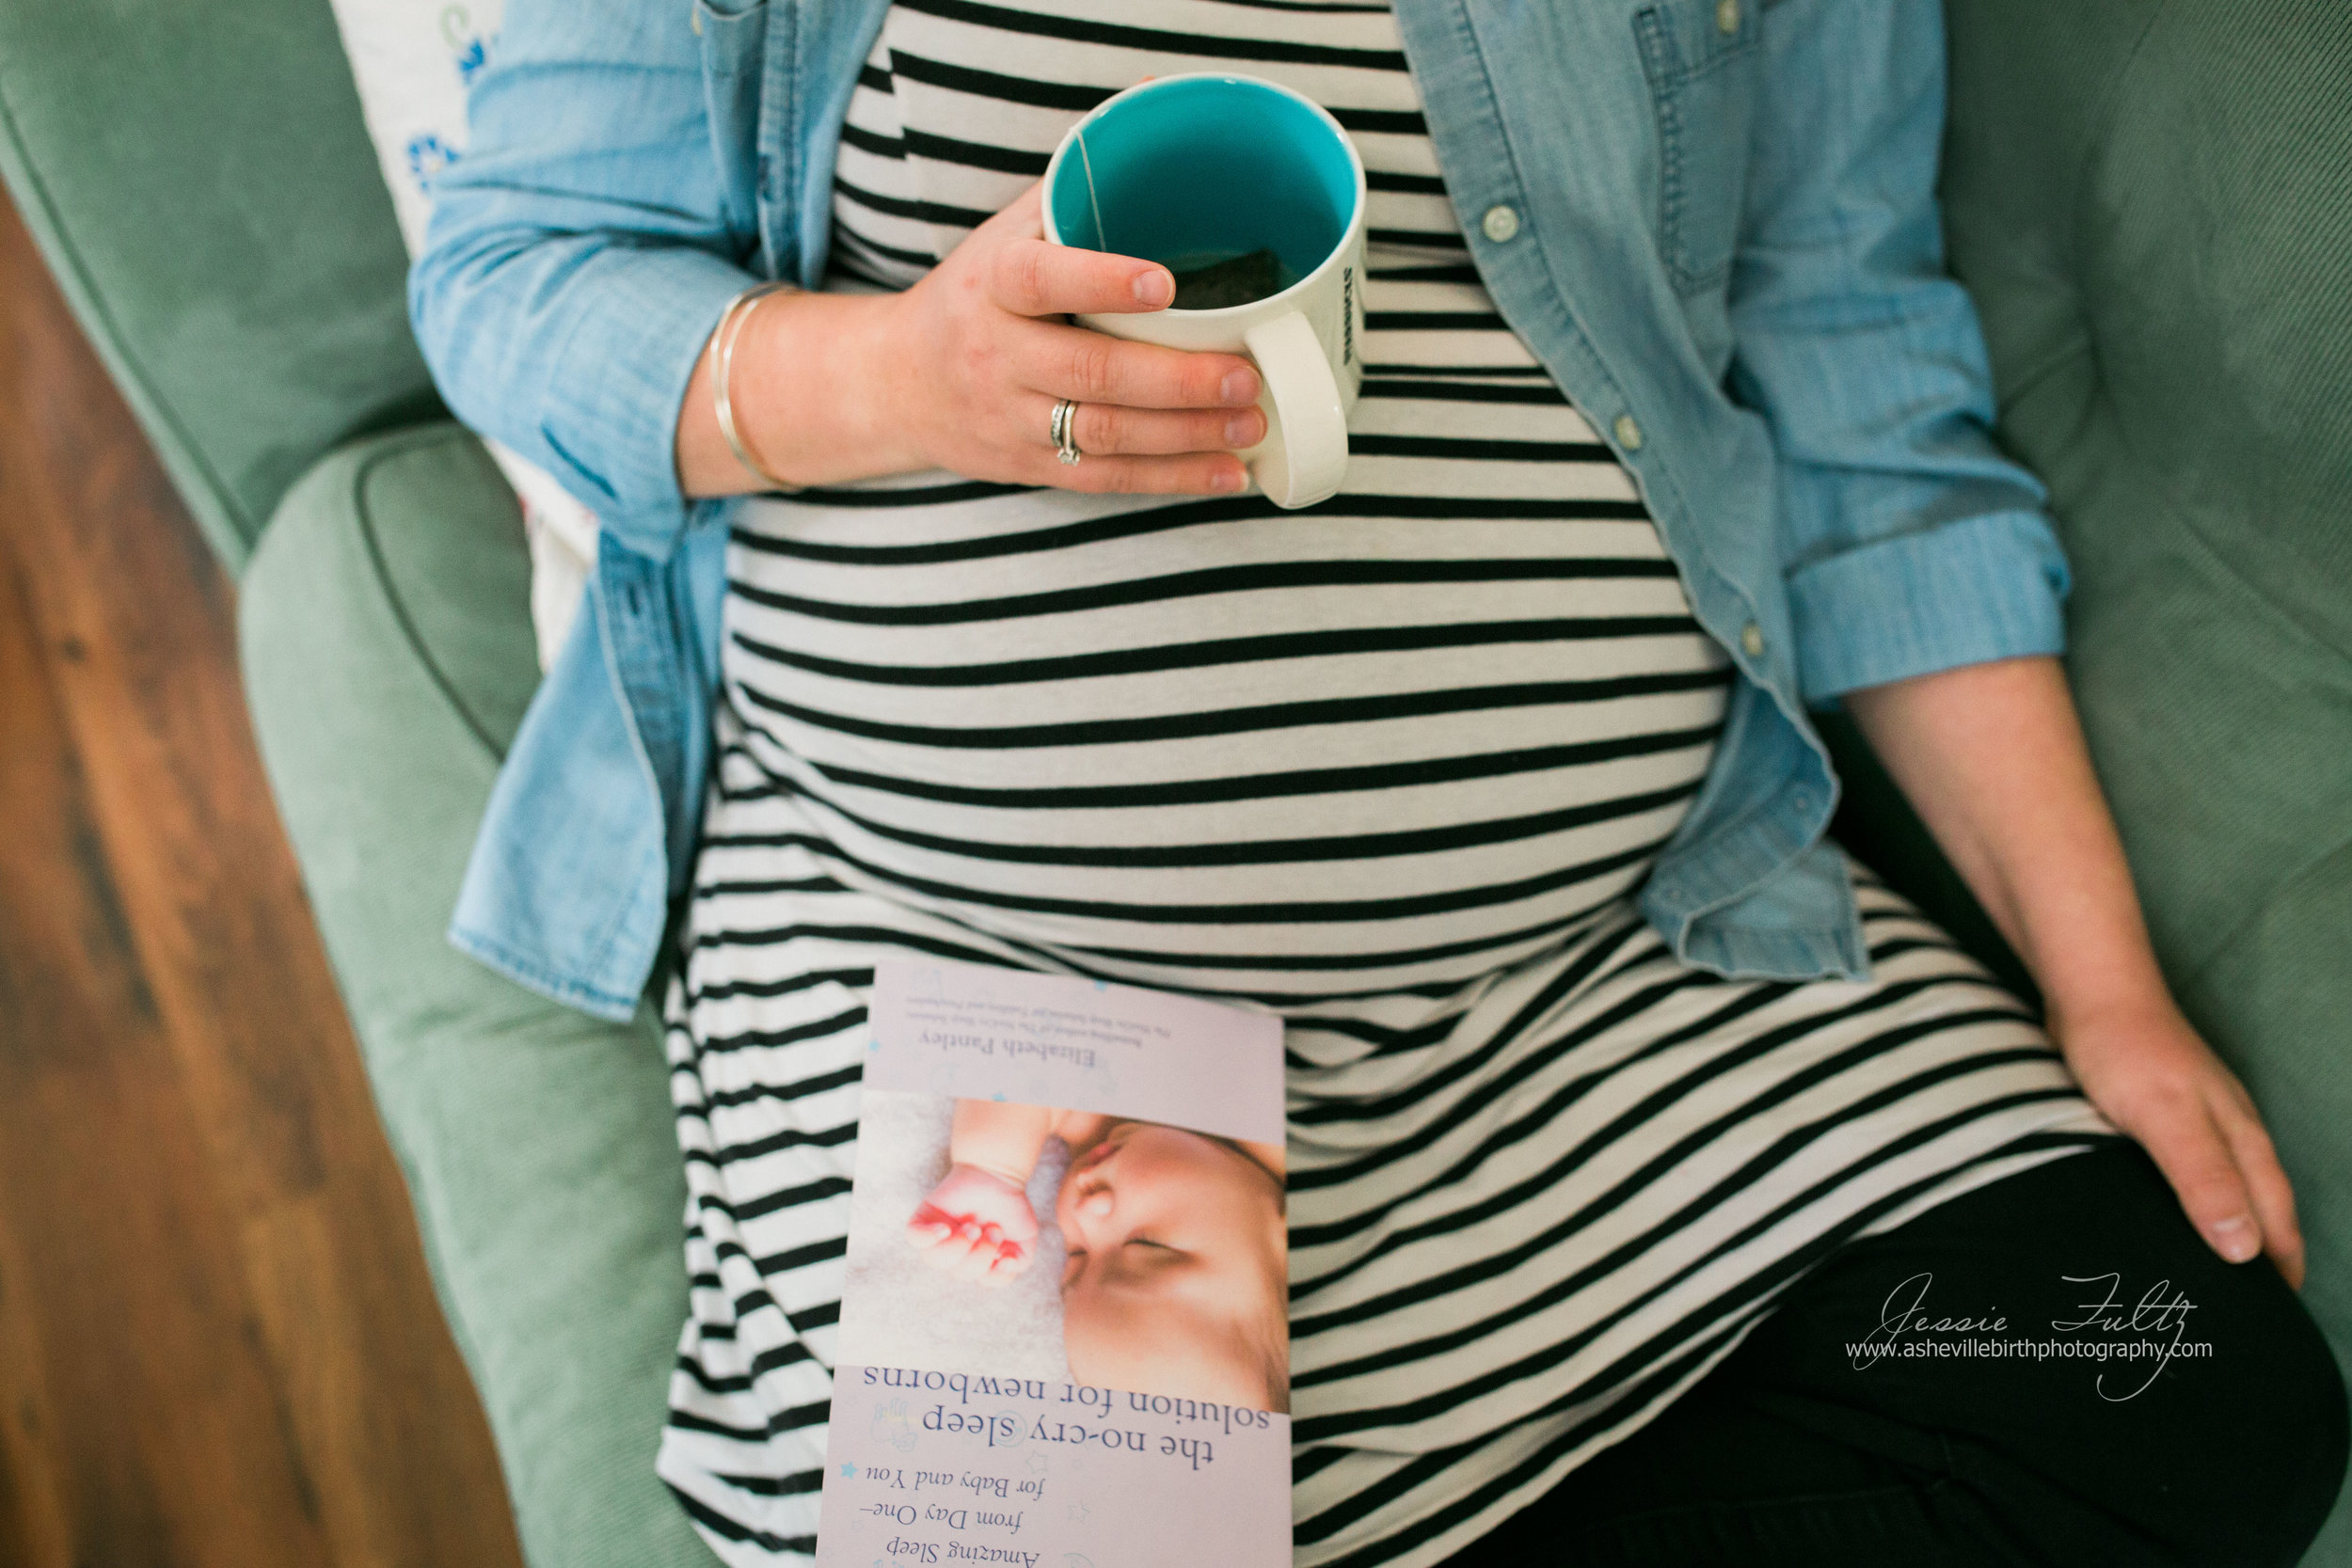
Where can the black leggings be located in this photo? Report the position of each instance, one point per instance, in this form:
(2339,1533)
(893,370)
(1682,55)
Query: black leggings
(1786,1453)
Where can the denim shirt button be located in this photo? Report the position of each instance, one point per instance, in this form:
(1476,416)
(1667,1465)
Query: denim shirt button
(1752,639)
(1726,16)
(1502,222)
(1629,432)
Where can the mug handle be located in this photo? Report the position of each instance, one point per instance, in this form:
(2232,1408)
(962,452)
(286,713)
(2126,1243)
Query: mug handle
(1304,456)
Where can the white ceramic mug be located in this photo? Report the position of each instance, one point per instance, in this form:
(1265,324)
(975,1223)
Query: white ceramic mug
(1196,169)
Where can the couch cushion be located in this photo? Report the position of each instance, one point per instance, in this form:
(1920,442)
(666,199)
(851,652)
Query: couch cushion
(197,177)
(387,659)
(2152,204)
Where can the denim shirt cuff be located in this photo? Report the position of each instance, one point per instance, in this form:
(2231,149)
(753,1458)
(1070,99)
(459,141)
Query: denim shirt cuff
(617,386)
(1969,590)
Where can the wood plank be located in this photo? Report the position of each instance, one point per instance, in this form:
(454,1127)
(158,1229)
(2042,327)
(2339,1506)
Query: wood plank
(217,1341)
(152,1403)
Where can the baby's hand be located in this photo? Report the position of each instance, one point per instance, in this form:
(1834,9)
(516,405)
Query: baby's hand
(977,1225)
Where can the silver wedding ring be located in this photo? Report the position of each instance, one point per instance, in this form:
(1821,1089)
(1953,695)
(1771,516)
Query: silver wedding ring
(1064,430)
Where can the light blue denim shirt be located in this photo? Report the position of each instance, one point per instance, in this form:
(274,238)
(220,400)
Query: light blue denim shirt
(1712,220)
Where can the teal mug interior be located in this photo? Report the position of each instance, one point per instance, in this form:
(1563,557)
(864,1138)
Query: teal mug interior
(1197,170)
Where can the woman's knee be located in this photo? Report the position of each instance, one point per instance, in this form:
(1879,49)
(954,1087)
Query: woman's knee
(2265,1436)
(2218,1383)
(2097,1379)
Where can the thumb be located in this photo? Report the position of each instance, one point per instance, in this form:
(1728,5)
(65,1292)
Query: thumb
(2195,1159)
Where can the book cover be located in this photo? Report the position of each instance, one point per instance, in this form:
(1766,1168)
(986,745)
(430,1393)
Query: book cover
(1064,1337)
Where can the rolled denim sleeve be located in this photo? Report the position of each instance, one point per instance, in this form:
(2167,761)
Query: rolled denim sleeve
(582,249)
(1912,545)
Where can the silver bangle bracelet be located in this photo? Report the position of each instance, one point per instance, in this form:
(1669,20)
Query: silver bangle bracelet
(722,351)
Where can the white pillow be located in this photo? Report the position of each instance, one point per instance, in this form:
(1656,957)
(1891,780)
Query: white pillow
(412,60)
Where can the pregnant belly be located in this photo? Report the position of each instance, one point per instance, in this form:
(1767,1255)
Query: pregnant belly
(1214,735)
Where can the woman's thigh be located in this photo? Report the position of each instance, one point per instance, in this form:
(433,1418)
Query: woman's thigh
(2053,1368)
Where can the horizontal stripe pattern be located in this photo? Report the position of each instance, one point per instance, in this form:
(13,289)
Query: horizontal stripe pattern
(1391,766)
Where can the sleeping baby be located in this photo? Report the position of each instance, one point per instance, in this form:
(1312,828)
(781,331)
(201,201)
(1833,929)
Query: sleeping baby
(1178,1275)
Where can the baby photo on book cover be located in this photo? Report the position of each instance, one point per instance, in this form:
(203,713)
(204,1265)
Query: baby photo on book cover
(1140,1256)
(1064,1328)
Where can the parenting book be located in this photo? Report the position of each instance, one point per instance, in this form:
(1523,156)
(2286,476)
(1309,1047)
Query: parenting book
(1064,1337)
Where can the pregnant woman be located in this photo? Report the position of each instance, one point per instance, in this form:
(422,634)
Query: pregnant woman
(1625,1115)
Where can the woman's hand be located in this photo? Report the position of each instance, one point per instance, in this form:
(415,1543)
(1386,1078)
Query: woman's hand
(2150,1073)
(962,372)
(1993,757)
(984,355)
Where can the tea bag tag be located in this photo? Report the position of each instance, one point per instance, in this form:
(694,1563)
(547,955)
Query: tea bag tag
(1101,242)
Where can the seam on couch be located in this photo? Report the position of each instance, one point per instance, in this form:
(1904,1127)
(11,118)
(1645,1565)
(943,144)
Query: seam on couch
(2099,131)
(398,446)
(2303,872)
(219,512)
(2011,396)
(2102,131)
(2293,625)
(2184,519)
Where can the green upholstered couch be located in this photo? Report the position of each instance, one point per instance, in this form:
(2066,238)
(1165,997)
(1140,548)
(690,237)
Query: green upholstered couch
(2153,201)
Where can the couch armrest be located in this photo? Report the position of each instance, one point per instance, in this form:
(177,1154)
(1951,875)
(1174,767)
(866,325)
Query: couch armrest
(199,179)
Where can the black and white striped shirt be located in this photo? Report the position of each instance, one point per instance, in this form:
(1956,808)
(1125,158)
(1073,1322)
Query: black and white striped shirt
(1391,766)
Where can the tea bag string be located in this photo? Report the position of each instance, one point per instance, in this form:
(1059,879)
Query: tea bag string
(1101,242)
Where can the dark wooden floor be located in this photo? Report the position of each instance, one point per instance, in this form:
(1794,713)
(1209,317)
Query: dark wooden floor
(219,1345)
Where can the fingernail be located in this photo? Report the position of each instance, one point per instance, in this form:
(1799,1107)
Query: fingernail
(1155,288)
(1240,385)
(2236,1239)
(1241,430)
(1228,478)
